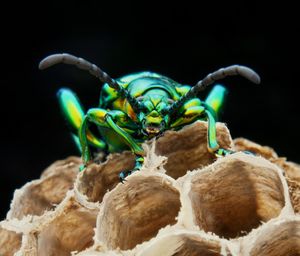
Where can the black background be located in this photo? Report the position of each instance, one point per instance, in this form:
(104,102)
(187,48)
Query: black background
(184,41)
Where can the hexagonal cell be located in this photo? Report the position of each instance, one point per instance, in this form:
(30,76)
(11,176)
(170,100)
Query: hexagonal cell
(184,243)
(10,242)
(41,195)
(186,149)
(278,239)
(292,170)
(235,194)
(97,179)
(70,228)
(135,211)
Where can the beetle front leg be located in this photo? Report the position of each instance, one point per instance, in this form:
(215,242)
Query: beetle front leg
(107,119)
(212,143)
(83,139)
(135,148)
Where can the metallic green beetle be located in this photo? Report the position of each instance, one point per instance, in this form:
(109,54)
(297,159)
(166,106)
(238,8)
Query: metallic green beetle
(140,106)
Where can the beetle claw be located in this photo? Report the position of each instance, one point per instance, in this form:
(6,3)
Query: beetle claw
(123,181)
(122,176)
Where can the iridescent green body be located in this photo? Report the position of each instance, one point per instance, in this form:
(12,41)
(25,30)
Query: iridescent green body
(140,106)
(157,92)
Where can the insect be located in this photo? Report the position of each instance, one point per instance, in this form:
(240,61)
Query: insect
(140,106)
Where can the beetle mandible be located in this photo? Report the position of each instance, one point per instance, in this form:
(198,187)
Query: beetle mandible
(140,106)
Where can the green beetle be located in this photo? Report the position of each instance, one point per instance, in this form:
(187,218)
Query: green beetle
(140,106)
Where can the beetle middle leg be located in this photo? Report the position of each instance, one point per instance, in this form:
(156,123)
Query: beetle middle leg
(120,123)
(139,160)
(74,114)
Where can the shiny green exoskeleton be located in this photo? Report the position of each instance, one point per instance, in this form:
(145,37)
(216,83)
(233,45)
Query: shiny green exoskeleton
(140,106)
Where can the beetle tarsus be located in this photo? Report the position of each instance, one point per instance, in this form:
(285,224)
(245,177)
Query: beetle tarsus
(123,175)
(222,152)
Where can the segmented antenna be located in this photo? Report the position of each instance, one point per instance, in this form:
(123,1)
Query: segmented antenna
(233,70)
(92,69)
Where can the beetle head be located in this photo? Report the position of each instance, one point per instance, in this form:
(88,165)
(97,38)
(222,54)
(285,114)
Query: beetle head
(152,117)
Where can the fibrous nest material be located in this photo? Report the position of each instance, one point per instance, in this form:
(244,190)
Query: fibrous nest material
(184,201)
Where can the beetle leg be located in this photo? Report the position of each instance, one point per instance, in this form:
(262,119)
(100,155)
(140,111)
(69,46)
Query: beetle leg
(212,143)
(135,148)
(194,110)
(107,119)
(189,112)
(139,160)
(74,114)
(216,98)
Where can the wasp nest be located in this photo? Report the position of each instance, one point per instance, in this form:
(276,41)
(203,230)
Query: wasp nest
(182,202)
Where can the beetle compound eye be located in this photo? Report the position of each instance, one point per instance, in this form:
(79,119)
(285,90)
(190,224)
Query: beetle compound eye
(165,111)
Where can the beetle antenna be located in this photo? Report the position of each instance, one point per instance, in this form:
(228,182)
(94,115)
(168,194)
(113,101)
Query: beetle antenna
(93,69)
(233,70)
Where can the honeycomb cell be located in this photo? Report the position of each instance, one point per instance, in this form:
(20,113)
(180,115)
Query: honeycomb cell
(97,179)
(236,194)
(44,194)
(186,149)
(71,228)
(292,170)
(135,211)
(281,239)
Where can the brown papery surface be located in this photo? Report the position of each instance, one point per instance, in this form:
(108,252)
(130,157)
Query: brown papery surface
(184,201)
